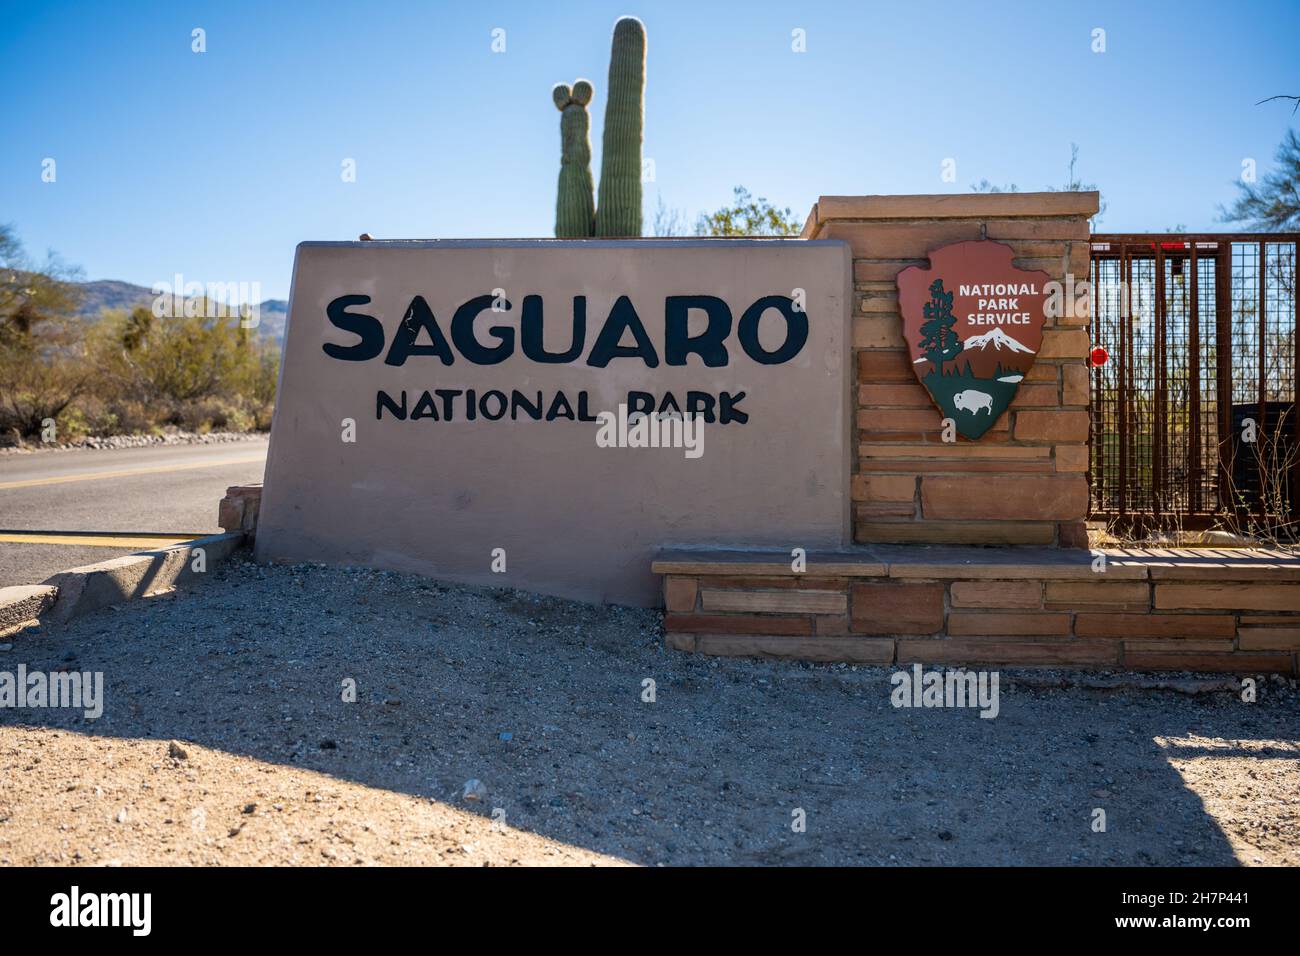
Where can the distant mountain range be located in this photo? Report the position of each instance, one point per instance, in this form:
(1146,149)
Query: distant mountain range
(111,294)
(995,355)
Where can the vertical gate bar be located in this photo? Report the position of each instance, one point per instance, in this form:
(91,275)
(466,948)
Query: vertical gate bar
(1223,368)
(1122,374)
(1094,400)
(1195,499)
(1160,419)
(1294,491)
(1261,432)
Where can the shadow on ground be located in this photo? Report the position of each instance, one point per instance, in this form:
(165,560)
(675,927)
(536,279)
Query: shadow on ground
(542,701)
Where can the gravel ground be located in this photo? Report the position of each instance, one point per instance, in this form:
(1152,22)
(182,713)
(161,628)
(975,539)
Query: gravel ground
(541,700)
(109,442)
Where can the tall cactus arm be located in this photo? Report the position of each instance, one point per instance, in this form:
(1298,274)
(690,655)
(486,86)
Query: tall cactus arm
(618,212)
(575,207)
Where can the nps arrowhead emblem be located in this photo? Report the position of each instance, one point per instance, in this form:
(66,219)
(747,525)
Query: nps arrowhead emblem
(973,324)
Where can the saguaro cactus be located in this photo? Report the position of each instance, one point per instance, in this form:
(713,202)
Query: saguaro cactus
(575,207)
(618,211)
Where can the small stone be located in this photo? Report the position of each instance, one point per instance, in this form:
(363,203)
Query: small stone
(177,752)
(121,815)
(473,791)
(249,808)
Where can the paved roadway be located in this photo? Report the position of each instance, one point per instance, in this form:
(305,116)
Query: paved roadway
(170,490)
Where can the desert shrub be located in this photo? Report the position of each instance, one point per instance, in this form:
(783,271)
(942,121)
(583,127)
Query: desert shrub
(197,372)
(122,373)
(214,414)
(43,362)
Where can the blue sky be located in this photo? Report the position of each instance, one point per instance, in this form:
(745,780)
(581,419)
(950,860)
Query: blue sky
(215,165)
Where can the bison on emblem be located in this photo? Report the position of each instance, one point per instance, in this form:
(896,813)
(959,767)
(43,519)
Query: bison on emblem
(969,400)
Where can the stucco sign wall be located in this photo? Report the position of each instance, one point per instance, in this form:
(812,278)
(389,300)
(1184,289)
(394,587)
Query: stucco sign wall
(547,414)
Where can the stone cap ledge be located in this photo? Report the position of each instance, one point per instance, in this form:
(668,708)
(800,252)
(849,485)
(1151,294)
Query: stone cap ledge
(767,562)
(964,562)
(952,206)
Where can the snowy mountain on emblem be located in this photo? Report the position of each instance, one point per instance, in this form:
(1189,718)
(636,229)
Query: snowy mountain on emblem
(998,340)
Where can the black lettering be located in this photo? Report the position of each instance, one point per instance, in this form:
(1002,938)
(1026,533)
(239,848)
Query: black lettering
(727,410)
(367,328)
(418,316)
(446,394)
(384,400)
(709,345)
(796,330)
(424,408)
(502,404)
(622,317)
(530,331)
(642,402)
(462,333)
(668,405)
(558,403)
(518,399)
(700,403)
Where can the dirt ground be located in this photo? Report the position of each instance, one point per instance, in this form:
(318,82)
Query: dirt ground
(543,702)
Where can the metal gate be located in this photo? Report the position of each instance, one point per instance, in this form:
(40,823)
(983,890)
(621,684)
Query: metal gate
(1193,414)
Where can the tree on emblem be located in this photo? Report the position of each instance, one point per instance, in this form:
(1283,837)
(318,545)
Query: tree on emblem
(940,343)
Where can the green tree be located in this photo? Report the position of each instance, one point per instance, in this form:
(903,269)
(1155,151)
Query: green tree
(747,216)
(1273,203)
(939,342)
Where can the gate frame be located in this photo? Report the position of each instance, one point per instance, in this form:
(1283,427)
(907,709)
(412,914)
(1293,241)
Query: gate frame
(1155,246)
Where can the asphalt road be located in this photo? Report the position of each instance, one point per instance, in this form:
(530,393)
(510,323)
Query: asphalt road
(169,489)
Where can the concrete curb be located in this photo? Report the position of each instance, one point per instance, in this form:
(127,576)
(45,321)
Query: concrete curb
(81,590)
(25,603)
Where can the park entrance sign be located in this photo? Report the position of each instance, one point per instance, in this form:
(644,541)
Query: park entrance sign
(973,323)
(547,414)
